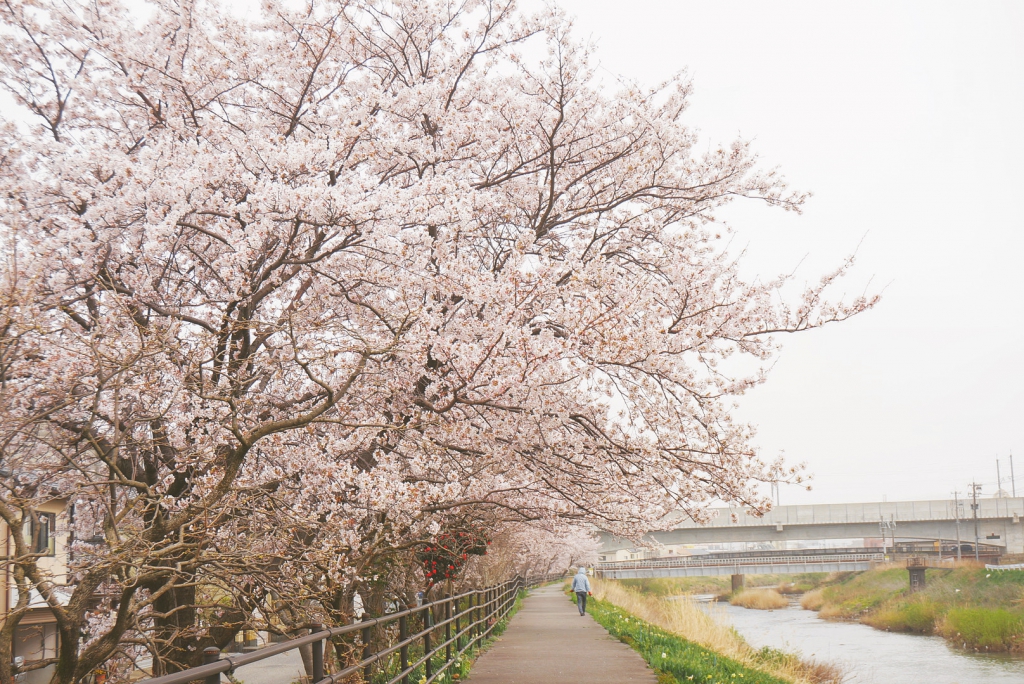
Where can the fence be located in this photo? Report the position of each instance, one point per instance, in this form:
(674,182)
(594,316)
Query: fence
(469,618)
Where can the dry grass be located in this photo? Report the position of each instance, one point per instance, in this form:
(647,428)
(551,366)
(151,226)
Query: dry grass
(682,616)
(813,600)
(685,618)
(759,599)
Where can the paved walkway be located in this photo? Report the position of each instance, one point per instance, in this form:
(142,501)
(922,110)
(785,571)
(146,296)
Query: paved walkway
(548,642)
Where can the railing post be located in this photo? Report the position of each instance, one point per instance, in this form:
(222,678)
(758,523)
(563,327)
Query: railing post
(481,616)
(366,647)
(426,642)
(458,626)
(211,654)
(318,653)
(403,634)
(448,630)
(476,615)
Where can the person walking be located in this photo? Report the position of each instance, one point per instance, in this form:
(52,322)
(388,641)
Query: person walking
(581,585)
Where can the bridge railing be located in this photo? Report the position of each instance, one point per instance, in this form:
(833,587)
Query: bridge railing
(468,619)
(701,562)
(857,513)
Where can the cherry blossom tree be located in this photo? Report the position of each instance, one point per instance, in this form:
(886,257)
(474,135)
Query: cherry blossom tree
(284,296)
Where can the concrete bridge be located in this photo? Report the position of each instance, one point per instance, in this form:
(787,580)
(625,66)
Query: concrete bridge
(695,566)
(999,524)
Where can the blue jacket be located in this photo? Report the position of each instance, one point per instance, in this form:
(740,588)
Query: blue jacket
(580,583)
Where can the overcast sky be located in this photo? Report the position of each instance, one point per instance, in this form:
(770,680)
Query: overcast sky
(906,121)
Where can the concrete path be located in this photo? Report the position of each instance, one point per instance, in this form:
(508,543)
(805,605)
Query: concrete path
(548,642)
(283,668)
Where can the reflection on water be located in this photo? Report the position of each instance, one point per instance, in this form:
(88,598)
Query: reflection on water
(869,656)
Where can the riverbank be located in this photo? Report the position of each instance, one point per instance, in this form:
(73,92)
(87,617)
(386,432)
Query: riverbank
(971,607)
(867,655)
(695,645)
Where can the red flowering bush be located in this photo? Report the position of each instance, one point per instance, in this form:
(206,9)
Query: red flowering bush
(445,555)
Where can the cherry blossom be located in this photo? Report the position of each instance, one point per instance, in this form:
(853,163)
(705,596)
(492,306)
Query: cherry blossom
(284,297)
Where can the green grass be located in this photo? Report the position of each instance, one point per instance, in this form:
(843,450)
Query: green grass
(916,614)
(674,658)
(995,629)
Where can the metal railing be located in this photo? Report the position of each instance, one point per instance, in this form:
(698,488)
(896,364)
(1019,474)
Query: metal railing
(468,619)
(701,562)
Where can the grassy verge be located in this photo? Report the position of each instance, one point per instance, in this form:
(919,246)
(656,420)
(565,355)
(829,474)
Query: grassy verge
(972,607)
(671,655)
(700,641)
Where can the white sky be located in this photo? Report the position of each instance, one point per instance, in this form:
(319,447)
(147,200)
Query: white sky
(906,121)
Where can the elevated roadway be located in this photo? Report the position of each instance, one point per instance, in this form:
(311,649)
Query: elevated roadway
(999,524)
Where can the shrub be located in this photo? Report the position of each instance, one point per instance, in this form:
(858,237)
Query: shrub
(760,599)
(813,600)
(911,616)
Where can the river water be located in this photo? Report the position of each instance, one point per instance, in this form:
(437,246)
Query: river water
(867,655)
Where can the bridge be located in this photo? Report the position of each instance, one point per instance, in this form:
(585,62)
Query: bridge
(998,520)
(695,566)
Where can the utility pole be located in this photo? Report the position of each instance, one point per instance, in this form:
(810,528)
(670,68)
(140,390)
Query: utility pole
(892,530)
(1013,482)
(956,513)
(999,479)
(890,525)
(975,488)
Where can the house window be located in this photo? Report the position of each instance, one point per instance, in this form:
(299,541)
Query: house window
(35,642)
(40,533)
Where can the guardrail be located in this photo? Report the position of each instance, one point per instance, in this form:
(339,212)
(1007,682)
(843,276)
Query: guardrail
(469,618)
(701,562)
(1015,566)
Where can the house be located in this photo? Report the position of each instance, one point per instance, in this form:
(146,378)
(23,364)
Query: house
(36,635)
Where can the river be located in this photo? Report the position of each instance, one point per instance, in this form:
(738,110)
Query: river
(867,655)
